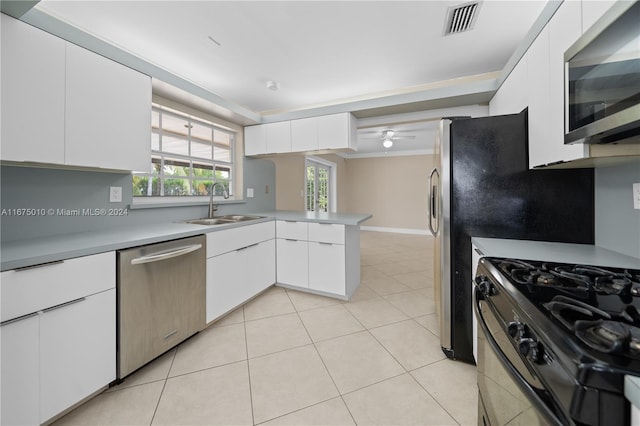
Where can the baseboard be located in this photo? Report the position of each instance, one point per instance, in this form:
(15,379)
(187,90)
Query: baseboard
(396,230)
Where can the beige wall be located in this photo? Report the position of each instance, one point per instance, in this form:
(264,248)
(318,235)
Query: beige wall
(393,189)
(290,180)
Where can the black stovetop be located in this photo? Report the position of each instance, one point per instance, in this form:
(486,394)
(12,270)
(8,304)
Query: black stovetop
(598,307)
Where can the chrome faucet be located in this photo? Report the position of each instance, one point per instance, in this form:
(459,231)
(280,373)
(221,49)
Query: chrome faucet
(213,208)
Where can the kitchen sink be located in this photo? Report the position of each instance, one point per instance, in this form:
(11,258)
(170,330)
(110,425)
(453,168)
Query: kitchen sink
(224,220)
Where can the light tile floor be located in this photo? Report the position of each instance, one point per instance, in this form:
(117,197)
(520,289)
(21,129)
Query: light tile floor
(292,358)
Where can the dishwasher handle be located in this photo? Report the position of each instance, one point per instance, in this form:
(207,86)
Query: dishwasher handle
(157,257)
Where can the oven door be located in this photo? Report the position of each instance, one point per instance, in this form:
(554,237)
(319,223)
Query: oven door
(508,392)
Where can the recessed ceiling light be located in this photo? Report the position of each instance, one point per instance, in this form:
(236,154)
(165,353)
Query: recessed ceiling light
(273,85)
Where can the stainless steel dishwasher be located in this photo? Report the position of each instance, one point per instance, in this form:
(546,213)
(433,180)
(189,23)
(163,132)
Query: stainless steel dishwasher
(161,299)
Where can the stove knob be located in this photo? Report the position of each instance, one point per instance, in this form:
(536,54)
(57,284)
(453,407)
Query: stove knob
(484,285)
(515,329)
(529,348)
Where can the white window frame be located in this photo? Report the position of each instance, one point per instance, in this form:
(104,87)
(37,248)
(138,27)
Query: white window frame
(235,191)
(333,181)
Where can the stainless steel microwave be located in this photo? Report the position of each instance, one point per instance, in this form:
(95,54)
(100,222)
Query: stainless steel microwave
(602,79)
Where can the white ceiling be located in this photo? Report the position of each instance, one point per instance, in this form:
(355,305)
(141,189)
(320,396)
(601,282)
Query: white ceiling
(320,52)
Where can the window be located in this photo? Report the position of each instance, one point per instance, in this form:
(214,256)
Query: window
(188,155)
(320,184)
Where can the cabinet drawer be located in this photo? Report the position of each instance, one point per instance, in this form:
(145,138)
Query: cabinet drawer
(29,290)
(326,233)
(227,240)
(292,230)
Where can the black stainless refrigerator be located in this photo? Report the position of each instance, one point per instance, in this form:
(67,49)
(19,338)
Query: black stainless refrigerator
(481,186)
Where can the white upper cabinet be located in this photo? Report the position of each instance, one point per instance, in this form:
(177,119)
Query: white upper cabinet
(33,74)
(327,132)
(62,104)
(538,95)
(563,29)
(511,98)
(337,131)
(278,137)
(304,134)
(255,140)
(537,82)
(108,113)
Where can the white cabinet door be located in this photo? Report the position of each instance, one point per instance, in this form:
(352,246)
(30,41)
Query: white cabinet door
(223,290)
(237,276)
(33,75)
(20,371)
(304,134)
(292,262)
(538,98)
(511,98)
(255,140)
(260,265)
(77,351)
(278,137)
(564,30)
(327,268)
(336,131)
(108,113)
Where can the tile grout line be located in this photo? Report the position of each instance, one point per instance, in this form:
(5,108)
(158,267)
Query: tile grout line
(246,350)
(164,385)
(322,361)
(430,394)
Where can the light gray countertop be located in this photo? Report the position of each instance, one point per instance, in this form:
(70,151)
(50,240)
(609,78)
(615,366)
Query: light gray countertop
(586,254)
(302,216)
(19,254)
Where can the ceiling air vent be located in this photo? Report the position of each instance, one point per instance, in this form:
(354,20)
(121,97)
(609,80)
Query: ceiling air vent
(461,18)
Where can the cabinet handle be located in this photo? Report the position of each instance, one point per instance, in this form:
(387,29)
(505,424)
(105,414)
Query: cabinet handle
(291,239)
(64,305)
(39,265)
(325,244)
(157,257)
(244,248)
(16,319)
(479,252)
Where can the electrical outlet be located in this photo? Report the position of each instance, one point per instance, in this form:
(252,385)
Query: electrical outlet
(249,192)
(636,196)
(115,194)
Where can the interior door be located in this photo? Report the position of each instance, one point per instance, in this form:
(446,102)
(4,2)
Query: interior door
(318,187)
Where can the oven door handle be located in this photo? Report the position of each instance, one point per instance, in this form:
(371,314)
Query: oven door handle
(526,389)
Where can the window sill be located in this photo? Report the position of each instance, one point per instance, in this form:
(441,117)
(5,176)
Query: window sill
(164,202)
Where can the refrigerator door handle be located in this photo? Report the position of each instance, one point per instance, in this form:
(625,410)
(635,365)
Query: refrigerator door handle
(433,211)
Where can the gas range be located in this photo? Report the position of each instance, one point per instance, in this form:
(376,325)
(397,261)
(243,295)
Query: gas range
(575,328)
(599,306)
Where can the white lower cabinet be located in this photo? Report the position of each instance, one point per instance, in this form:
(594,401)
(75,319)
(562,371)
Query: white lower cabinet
(327,267)
(293,262)
(240,264)
(77,351)
(21,372)
(318,257)
(59,337)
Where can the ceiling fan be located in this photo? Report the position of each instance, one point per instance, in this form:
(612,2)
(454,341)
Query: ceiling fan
(388,136)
